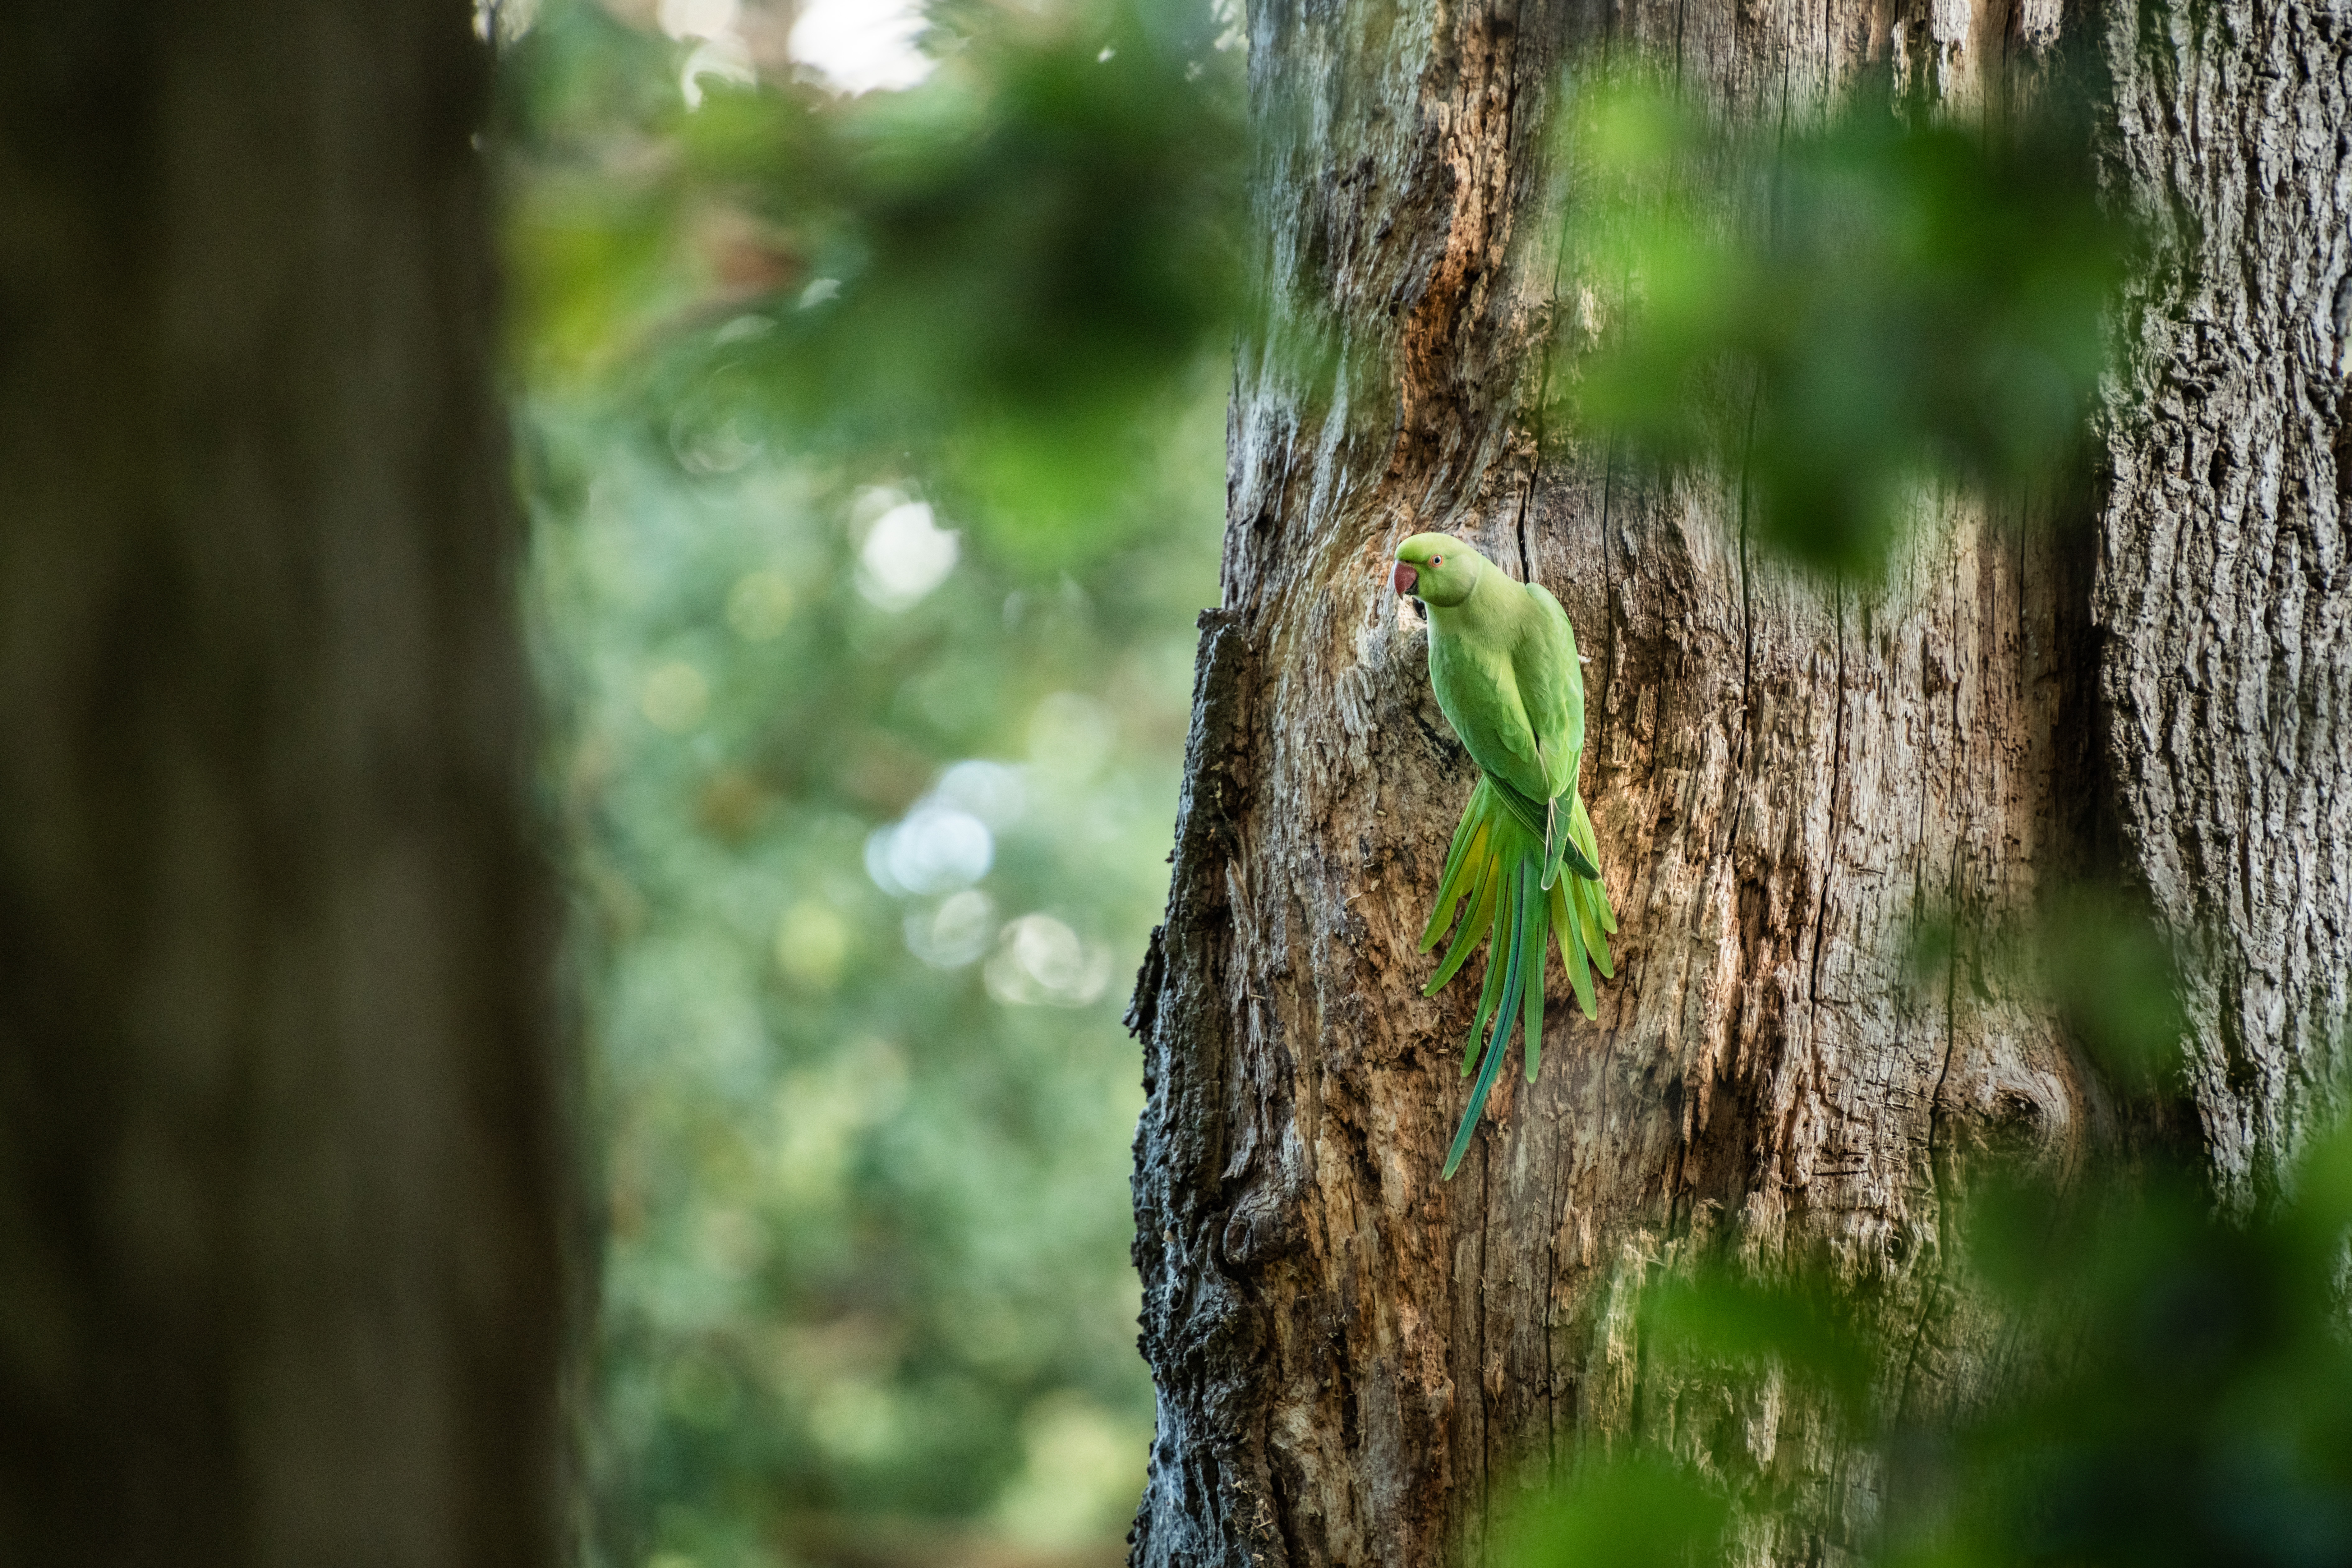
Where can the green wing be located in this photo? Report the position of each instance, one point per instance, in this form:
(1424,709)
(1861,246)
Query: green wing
(1478,688)
(1475,679)
(1550,684)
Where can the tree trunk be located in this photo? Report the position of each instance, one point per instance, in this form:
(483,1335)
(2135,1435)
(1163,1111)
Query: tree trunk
(280,1157)
(1355,1360)
(2226,671)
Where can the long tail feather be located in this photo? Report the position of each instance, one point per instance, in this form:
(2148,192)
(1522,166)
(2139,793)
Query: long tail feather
(1490,995)
(1506,878)
(1574,951)
(1482,905)
(1581,830)
(1525,812)
(1504,1019)
(1577,857)
(1463,863)
(1589,897)
(1534,937)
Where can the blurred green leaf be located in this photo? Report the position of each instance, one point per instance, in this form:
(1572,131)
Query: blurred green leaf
(1800,1325)
(2169,1380)
(1629,1512)
(1833,315)
(1006,276)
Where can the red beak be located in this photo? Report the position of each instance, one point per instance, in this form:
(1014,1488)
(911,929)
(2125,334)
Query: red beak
(1404,577)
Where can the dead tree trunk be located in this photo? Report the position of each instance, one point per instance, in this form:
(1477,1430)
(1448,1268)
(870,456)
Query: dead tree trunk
(1353,1360)
(280,1157)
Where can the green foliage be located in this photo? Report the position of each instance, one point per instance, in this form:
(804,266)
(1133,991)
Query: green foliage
(2175,1383)
(1009,270)
(2203,1410)
(1025,253)
(873,447)
(1644,1512)
(2098,960)
(1833,313)
(1730,1320)
(2199,1408)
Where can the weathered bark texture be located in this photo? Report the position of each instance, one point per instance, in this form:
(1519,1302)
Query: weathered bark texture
(2221,587)
(281,1165)
(1354,1361)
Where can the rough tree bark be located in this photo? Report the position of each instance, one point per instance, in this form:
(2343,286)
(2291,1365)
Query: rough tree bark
(2226,672)
(1353,1360)
(280,1162)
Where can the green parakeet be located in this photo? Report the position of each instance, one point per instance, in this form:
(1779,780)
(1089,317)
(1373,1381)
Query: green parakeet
(1502,661)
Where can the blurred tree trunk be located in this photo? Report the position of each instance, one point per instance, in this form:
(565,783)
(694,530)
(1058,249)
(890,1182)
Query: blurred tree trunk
(281,1156)
(1355,1362)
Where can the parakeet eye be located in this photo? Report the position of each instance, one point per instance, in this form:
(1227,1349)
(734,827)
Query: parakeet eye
(1437,560)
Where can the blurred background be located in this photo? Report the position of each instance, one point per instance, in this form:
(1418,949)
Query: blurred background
(874,458)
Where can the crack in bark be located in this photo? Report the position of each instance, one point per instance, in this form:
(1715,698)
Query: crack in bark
(1837,777)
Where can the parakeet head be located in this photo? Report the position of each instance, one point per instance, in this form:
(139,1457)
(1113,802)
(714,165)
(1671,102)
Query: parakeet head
(1437,569)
